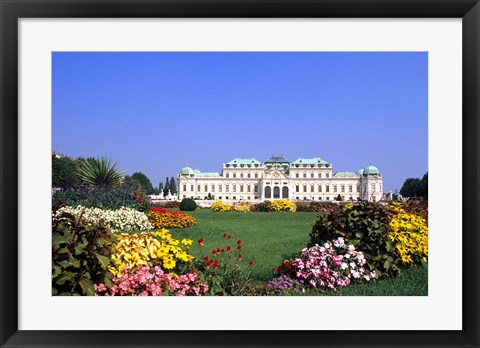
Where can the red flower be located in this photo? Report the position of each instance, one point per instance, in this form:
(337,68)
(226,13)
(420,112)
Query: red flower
(218,250)
(240,256)
(229,237)
(215,264)
(205,258)
(228,248)
(250,263)
(239,241)
(239,246)
(225,235)
(223,250)
(213,251)
(200,241)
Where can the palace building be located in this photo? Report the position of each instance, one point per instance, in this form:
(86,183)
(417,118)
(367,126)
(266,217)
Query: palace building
(306,179)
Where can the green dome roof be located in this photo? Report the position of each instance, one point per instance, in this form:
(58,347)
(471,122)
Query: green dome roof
(360,172)
(371,170)
(186,171)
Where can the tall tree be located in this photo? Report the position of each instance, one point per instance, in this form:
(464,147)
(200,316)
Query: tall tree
(160,187)
(64,171)
(166,187)
(173,185)
(411,188)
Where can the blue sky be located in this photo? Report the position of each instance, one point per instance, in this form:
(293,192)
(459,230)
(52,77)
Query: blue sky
(157,112)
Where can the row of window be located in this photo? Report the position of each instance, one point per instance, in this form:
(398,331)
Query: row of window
(213,188)
(312,175)
(234,175)
(336,188)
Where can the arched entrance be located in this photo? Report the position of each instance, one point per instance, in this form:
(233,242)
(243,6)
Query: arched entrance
(276,192)
(268,192)
(285,192)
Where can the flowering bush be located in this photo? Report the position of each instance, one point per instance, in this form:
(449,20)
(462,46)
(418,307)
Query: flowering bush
(332,265)
(149,248)
(164,218)
(219,206)
(152,281)
(285,284)
(409,232)
(315,206)
(222,269)
(123,219)
(283,205)
(242,207)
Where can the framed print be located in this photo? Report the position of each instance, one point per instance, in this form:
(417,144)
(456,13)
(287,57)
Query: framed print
(227,173)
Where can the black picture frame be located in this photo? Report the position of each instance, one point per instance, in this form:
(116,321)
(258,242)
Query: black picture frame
(11,11)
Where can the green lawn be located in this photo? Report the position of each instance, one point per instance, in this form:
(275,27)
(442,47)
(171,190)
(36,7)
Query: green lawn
(270,238)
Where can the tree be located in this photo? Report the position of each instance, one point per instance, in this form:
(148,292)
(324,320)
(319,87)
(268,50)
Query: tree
(339,198)
(100,172)
(173,185)
(144,182)
(64,171)
(160,187)
(166,187)
(415,187)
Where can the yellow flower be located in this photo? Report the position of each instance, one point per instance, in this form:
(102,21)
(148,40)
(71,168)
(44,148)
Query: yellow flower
(187,242)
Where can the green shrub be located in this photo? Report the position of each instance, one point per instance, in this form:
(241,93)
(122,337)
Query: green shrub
(188,204)
(366,226)
(316,206)
(80,254)
(264,206)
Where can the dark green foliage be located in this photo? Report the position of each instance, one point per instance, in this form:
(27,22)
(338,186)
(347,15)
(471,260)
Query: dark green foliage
(166,187)
(315,206)
(365,225)
(64,171)
(265,206)
(103,197)
(80,255)
(139,179)
(173,185)
(160,187)
(339,198)
(188,204)
(415,187)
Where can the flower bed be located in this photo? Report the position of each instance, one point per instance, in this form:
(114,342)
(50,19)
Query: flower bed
(220,206)
(164,218)
(123,219)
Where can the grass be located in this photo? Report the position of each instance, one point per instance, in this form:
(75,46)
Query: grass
(270,238)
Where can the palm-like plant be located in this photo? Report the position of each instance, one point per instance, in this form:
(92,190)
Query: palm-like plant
(100,171)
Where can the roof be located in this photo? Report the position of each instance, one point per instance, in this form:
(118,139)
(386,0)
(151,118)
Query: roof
(195,172)
(276,159)
(186,171)
(207,174)
(243,161)
(309,161)
(345,175)
(371,170)
(360,172)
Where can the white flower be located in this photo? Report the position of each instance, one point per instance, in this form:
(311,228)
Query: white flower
(353,265)
(351,248)
(343,265)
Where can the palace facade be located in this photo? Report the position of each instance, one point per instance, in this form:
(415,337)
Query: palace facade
(306,179)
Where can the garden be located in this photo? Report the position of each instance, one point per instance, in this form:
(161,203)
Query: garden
(108,239)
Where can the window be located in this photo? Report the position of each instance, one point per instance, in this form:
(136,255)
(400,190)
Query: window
(220,188)
(241,175)
(380,187)
(304,188)
(248,175)
(198,188)
(191,187)
(327,175)
(312,188)
(213,188)
(334,188)
(227,197)
(328,198)
(184,196)
(234,188)
(320,175)
(256,175)
(184,187)
(248,188)
(373,187)
(342,188)
(312,175)
(358,188)
(327,188)
(297,189)
(296,175)
(220,197)
(255,188)
(206,188)
(234,175)
(241,188)
(226,175)
(350,188)
(319,188)
(226,188)
(304,175)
